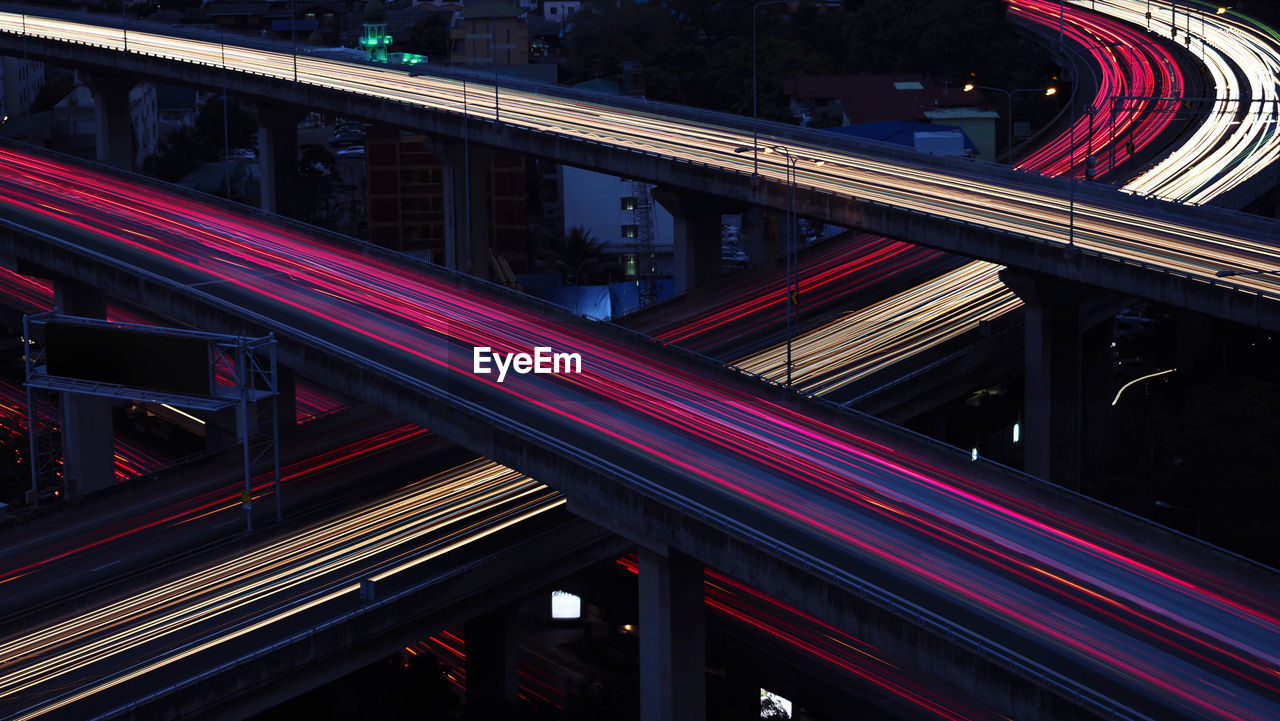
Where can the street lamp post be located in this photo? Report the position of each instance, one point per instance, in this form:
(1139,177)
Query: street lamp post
(792,261)
(1008,94)
(792,282)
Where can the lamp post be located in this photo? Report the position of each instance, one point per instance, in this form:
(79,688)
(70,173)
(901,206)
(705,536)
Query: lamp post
(1008,94)
(792,282)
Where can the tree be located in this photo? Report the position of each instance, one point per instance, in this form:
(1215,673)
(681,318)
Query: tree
(429,36)
(176,155)
(58,83)
(241,129)
(313,192)
(580,258)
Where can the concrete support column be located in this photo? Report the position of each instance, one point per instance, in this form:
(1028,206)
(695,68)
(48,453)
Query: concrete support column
(759,238)
(1053,426)
(672,638)
(277,154)
(697,236)
(88,451)
(112,116)
(491,664)
(468,205)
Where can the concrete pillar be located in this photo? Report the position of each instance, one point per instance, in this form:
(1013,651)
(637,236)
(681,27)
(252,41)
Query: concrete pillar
(759,238)
(1052,434)
(491,664)
(672,638)
(277,154)
(468,202)
(697,236)
(88,450)
(112,116)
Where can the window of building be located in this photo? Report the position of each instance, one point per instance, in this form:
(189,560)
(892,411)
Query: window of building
(630,231)
(629,264)
(629,203)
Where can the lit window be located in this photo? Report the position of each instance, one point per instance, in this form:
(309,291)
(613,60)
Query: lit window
(629,231)
(628,203)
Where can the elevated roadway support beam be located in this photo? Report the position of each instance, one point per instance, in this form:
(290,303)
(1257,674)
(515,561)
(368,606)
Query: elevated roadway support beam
(112,118)
(673,646)
(492,682)
(283,660)
(1053,434)
(737,542)
(697,236)
(468,197)
(88,450)
(1204,293)
(277,155)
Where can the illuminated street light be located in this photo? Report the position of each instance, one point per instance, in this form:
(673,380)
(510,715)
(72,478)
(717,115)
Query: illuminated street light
(969,87)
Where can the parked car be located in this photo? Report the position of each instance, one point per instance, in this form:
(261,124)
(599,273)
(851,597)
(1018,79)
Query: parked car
(346,139)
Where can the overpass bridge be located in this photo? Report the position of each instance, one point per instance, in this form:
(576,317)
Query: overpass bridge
(1083,233)
(968,570)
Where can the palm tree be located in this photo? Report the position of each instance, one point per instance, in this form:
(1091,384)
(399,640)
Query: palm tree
(578,256)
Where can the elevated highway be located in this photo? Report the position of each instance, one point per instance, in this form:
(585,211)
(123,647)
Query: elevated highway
(1084,232)
(1034,600)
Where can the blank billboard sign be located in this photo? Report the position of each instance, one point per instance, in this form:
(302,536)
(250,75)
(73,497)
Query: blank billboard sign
(133,358)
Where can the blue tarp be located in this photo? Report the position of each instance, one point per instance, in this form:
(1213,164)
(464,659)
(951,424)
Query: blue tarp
(597,302)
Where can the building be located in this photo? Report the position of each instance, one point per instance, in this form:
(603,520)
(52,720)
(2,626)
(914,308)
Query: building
(406,198)
(560,11)
(621,214)
(374,39)
(879,98)
(978,125)
(76,129)
(20,82)
(617,211)
(869,98)
(488,32)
